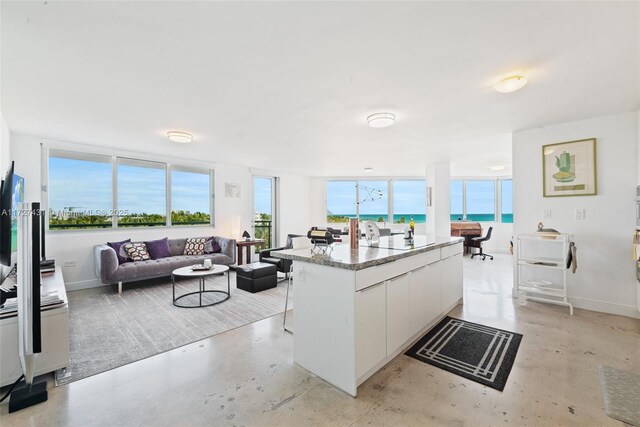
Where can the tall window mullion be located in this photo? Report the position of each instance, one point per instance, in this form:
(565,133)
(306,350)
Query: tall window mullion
(114,189)
(168,170)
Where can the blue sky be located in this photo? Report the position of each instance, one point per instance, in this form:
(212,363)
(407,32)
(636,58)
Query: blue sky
(79,184)
(87,185)
(480,197)
(409,197)
(262,195)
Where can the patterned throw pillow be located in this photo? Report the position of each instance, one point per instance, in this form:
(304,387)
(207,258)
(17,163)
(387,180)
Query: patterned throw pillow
(195,246)
(137,251)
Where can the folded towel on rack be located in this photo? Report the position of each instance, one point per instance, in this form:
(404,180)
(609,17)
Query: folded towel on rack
(572,257)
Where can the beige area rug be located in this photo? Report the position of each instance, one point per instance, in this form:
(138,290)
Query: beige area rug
(110,330)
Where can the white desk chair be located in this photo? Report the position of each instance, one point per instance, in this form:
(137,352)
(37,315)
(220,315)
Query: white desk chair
(296,243)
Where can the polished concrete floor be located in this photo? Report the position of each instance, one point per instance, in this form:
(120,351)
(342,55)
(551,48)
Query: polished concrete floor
(246,377)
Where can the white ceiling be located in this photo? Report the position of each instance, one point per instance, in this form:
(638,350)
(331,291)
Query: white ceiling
(287,86)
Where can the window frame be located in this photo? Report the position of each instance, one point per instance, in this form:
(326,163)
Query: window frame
(497,200)
(390,200)
(190,169)
(130,162)
(47,147)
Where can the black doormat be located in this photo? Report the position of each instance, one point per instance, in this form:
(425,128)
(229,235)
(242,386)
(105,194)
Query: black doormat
(476,352)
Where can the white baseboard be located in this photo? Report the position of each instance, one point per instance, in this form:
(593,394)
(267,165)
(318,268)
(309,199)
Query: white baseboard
(606,307)
(600,306)
(83,284)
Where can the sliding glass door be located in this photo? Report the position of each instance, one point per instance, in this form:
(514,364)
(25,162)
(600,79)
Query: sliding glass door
(264,208)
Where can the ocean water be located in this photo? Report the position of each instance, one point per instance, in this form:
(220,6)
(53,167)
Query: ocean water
(506,218)
(421,219)
(397,218)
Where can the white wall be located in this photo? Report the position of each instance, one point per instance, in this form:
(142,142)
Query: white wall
(5,158)
(605,280)
(232,215)
(438,177)
(500,237)
(5,145)
(294,206)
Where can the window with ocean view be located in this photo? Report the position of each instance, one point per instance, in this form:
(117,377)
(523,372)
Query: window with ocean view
(506,200)
(190,196)
(476,200)
(409,201)
(374,200)
(481,200)
(457,200)
(341,201)
(80,190)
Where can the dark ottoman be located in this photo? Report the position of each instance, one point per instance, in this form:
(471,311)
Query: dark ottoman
(256,277)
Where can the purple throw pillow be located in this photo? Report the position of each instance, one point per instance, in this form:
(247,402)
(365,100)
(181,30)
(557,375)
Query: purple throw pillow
(215,246)
(211,246)
(116,247)
(158,248)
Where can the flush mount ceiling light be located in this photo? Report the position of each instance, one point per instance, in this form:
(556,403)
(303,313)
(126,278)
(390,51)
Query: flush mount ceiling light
(179,137)
(510,84)
(368,169)
(497,167)
(381,120)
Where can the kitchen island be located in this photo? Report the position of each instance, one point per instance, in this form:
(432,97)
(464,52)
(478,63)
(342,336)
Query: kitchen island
(355,310)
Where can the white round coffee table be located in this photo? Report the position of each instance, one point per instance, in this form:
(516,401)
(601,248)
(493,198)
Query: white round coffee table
(201,275)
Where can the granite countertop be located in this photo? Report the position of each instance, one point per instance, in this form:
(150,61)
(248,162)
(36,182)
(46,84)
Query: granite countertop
(387,250)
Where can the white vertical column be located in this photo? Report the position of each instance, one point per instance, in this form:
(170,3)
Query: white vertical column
(439,213)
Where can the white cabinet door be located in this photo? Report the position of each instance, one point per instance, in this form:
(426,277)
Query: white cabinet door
(398,324)
(418,299)
(433,306)
(424,296)
(371,330)
(451,280)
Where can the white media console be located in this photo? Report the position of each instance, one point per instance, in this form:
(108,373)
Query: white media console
(55,335)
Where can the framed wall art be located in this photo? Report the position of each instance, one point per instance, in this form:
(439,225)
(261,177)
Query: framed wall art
(569,168)
(232,190)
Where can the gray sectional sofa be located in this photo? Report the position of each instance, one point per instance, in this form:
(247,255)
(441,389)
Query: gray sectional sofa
(110,272)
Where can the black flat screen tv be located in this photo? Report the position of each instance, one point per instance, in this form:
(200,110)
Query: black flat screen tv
(11,193)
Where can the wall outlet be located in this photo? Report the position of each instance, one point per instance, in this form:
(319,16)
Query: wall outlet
(580,214)
(546,214)
(69,264)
